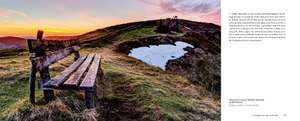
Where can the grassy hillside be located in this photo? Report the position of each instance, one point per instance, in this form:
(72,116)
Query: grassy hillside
(131,90)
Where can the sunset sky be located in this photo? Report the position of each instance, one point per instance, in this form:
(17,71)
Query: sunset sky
(72,17)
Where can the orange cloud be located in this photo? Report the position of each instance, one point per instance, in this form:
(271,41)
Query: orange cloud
(82,23)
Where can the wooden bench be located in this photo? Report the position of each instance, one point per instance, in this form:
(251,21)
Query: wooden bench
(80,75)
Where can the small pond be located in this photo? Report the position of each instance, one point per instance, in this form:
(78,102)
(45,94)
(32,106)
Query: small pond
(159,55)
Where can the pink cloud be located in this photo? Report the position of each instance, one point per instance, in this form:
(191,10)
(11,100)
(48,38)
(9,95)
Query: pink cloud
(186,6)
(11,13)
(199,10)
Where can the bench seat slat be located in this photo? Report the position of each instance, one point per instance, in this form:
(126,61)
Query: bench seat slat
(45,61)
(90,78)
(74,79)
(59,79)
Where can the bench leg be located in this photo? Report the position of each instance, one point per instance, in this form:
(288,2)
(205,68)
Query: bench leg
(90,98)
(48,92)
(48,95)
(32,90)
(32,79)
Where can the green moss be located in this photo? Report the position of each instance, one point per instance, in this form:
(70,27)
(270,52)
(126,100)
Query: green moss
(14,76)
(172,106)
(139,32)
(14,96)
(150,94)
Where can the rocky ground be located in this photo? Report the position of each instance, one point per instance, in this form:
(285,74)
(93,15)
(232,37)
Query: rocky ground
(201,65)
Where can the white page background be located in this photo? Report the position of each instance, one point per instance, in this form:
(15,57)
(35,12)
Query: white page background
(269,69)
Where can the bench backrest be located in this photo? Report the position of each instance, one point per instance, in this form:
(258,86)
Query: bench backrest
(43,53)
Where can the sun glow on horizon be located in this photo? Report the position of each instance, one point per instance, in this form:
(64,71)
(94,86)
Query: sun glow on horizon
(67,17)
(50,30)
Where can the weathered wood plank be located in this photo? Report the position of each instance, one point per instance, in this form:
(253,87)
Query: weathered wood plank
(90,78)
(76,55)
(44,61)
(51,45)
(34,45)
(55,44)
(39,35)
(74,79)
(30,46)
(59,79)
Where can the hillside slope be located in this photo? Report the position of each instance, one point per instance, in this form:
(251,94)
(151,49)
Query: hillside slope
(131,90)
(12,42)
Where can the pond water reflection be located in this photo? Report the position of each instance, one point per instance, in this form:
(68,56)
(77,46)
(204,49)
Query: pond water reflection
(159,55)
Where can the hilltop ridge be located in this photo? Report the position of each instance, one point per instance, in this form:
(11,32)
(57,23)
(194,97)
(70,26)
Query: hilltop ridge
(131,90)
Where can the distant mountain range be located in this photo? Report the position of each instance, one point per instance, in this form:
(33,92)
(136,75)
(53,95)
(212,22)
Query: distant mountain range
(15,42)
(12,42)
